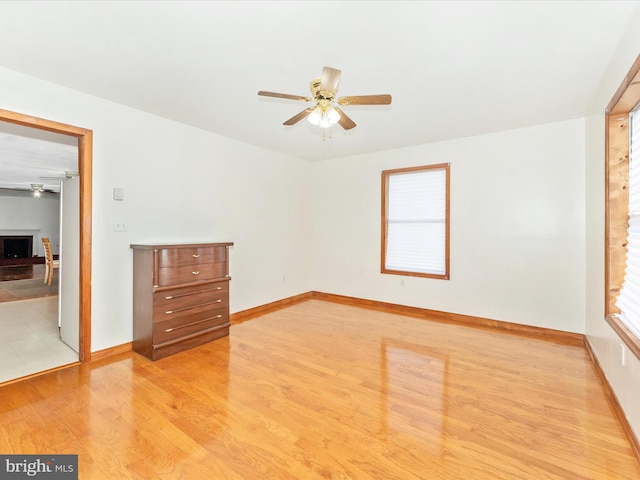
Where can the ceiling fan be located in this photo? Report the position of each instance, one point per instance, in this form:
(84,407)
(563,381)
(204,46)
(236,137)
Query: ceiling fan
(326,111)
(37,189)
(66,175)
(21,189)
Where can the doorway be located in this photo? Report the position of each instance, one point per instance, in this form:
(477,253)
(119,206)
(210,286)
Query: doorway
(85,150)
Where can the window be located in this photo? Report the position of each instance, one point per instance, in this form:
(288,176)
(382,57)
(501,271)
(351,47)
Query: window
(622,232)
(415,221)
(629,299)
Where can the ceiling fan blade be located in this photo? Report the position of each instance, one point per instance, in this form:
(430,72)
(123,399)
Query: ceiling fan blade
(365,100)
(330,79)
(296,118)
(284,95)
(345,122)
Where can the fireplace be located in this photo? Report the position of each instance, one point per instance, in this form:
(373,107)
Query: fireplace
(15,247)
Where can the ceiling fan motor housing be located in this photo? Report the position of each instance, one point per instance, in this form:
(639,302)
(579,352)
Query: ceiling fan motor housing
(318,94)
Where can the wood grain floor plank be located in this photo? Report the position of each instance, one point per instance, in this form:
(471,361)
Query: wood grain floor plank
(322,391)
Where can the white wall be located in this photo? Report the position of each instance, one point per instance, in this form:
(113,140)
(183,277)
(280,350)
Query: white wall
(181,185)
(625,380)
(517,227)
(29,213)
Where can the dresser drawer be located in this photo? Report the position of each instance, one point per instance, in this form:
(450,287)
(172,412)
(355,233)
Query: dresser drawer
(176,328)
(190,273)
(161,350)
(190,256)
(179,298)
(162,314)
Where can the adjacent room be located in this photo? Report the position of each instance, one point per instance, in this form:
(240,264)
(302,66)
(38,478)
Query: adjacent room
(36,163)
(320,240)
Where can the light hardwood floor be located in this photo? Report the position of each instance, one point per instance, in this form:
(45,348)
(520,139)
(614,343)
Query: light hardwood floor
(326,391)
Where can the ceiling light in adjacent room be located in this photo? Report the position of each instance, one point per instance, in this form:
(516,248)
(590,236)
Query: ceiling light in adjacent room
(37,189)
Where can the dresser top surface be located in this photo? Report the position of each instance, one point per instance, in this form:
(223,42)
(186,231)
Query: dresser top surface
(155,246)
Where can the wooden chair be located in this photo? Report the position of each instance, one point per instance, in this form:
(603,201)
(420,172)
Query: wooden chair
(50,263)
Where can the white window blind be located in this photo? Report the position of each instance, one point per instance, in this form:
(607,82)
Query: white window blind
(416,223)
(629,299)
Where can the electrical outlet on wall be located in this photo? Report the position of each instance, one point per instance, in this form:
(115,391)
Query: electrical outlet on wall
(119,225)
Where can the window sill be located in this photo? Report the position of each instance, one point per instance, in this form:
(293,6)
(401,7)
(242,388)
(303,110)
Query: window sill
(630,340)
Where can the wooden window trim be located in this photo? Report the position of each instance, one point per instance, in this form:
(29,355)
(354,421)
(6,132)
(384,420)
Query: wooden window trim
(617,198)
(630,340)
(383,230)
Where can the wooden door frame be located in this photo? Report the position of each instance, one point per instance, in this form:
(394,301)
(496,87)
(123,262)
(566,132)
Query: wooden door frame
(85,156)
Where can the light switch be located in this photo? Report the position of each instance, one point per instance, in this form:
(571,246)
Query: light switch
(118,193)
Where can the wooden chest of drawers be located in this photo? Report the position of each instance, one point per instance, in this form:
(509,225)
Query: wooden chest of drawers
(180,296)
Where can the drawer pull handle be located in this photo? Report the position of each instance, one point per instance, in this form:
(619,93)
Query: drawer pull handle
(196,272)
(195,256)
(169,297)
(169,330)
(169,312)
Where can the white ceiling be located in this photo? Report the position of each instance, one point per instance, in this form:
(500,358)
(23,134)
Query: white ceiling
(31,156)
(454,68)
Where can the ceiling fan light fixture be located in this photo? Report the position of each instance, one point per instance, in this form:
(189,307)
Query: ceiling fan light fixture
(37,188)
(324,121)
(324,116)
(333,116)
(315,117)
